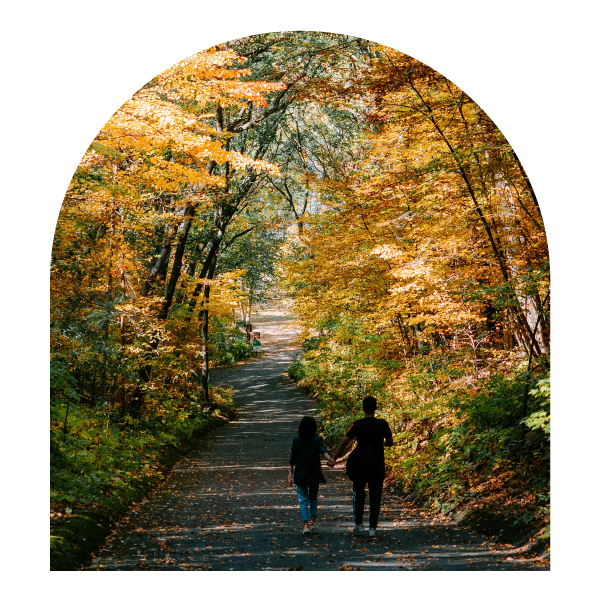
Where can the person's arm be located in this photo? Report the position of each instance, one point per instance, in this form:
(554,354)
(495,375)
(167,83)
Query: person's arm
(387,435)
(340,449)
(323,451)
(293,459)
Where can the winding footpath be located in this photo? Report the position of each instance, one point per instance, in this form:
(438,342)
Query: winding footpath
(227,506)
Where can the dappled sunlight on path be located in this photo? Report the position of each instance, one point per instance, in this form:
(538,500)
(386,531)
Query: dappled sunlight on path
(278,332)
(226,506)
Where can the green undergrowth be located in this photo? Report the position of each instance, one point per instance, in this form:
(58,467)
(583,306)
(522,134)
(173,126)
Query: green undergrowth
(479,447)
(228,342)
(102,463)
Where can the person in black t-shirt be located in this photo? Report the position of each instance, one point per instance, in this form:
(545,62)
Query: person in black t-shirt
(377,434)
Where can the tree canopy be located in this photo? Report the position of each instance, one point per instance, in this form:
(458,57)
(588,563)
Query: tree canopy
(359,182)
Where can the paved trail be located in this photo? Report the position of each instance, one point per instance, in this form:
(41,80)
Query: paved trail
(226,506)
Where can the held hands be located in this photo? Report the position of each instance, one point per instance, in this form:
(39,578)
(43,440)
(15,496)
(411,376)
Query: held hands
(331,462)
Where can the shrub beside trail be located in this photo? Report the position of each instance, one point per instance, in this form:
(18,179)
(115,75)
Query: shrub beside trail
(462,450)
(102,463)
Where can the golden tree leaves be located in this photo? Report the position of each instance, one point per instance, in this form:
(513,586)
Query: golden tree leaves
(147,165)
(159,138)
(208,76)
(438,208)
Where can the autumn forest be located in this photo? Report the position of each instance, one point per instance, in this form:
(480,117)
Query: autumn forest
(354,185)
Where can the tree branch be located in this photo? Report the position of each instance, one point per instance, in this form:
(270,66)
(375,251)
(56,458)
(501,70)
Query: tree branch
(236,236)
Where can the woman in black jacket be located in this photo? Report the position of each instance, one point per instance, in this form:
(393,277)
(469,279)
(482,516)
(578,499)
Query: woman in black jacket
(305,470)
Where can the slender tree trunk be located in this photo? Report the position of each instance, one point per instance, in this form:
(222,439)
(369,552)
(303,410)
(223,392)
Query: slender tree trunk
(93,386)
(521,319)
(160,265)
(104,371)
(404,334)
(206,265)
(527,182)
(190,211)
(191,268)
(528,379)
(188,218)
(65,423)
(288,196)
(529,301)
(204,317)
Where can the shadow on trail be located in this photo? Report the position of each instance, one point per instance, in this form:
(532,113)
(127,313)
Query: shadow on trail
(226,506)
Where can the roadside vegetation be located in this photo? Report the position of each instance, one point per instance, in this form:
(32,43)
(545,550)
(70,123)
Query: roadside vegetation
(385,201)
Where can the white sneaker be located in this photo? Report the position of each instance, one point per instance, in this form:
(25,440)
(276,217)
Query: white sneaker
(372,532)
(358,528)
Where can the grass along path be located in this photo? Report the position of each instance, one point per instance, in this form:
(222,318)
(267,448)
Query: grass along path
(226,506)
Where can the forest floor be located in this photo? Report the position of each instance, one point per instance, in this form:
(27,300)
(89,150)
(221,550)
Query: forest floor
(226,505)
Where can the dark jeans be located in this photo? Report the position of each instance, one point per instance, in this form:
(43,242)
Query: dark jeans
(358,499)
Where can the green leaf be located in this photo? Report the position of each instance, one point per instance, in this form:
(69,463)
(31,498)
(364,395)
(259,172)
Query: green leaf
(546,534)
(106,151)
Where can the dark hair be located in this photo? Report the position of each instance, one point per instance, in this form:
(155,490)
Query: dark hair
(307,429)
(369,405)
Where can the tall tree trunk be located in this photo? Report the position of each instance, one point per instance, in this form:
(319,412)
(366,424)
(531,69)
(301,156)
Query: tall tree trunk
(160,265)
(104,372)
(191,268)
(527,182)
(404,334)
(190,211)
(249,317)
(288,196)
(530,302)
(188,217)
(145,370)
(206,266)
(516,306)
(204,316)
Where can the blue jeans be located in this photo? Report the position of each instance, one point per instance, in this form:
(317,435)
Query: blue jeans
(307,497)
